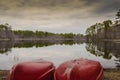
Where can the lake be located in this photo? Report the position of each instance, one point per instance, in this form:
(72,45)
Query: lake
(12,52)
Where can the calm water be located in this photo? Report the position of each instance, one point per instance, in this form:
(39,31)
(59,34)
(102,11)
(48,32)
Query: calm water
(106,53)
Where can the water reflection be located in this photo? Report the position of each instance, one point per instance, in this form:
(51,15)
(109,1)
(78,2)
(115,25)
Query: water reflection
(93,49)
(6,46)
(106,50)
(58,51)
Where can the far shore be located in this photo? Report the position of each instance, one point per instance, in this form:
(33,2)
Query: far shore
(42,39)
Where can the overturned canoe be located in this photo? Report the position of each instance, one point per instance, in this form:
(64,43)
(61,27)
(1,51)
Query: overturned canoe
(80,69)
(41,70)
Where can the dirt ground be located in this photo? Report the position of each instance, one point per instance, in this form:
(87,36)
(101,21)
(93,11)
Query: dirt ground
(111,75)
(108,75)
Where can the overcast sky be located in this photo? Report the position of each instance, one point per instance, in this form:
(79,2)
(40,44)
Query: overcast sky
(56,15)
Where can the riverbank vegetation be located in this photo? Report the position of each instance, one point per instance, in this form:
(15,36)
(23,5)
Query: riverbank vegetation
(108,75)
(107,29)
(6,33)
(111,75)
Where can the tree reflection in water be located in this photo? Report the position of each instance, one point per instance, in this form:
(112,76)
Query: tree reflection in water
(6,46)
(93,50)
(105,49)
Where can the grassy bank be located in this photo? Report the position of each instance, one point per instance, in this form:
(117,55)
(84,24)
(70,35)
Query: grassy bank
(108,75)
(111,74)
(3,74)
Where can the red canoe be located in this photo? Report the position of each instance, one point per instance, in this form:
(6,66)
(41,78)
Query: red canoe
(80,69)
(42,70)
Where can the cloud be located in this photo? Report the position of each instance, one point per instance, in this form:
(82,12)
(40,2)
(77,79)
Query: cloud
(39,3)
(105,6)
(102,5)
(109,6)
(56,15)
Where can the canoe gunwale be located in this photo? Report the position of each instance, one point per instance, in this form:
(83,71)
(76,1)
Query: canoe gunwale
(100,76)
(51,70)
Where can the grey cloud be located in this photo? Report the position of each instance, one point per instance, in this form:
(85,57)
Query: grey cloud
(109,6)
(106,6)
(16,8)
(36,3)
(10,7)
(56,14)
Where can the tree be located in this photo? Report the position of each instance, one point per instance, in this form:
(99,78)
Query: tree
(68,35)
(118,17)
(91,31)
(107,24)
(88,31)
(99,26)
(93,28)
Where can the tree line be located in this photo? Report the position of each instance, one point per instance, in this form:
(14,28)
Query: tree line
(92,30)
(29,33)
(105,25)
(39,34)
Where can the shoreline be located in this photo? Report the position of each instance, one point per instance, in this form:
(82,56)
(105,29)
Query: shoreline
(109,74)
(42,40)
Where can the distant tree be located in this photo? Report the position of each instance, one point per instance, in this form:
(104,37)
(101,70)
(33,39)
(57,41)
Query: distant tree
(99,26)
(43,34)
(68,35)
(118,17)
(92,28)
(24,33)
(91,32)
(3,27)
(107,24)
(88,34)
(6,31)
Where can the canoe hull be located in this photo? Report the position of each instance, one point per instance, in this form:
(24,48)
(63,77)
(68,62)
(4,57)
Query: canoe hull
(41,70)
(80,69)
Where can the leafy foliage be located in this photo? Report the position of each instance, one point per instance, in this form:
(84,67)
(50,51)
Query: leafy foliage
(92,30)
(38,34)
